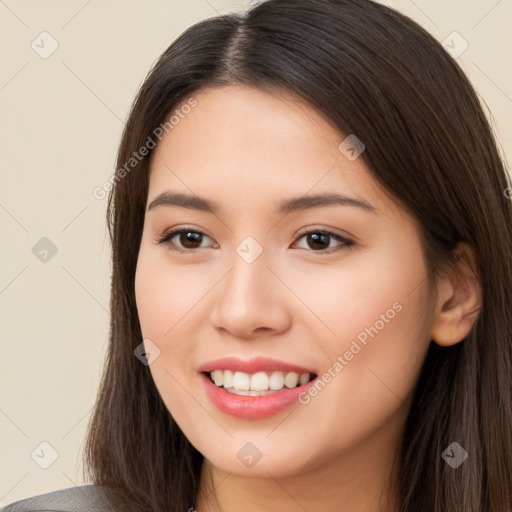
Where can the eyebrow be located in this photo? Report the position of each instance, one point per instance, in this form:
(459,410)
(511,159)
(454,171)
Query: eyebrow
(285,206)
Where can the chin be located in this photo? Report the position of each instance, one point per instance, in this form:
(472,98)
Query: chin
(260,459)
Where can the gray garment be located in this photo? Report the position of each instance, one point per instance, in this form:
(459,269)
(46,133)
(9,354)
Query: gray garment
(82,498)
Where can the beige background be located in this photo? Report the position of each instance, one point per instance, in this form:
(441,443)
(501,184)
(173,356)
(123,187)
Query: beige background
(61,122)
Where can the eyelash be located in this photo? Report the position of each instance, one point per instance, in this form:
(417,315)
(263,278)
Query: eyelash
(167,236)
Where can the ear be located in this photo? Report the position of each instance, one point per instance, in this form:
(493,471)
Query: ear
(459,299)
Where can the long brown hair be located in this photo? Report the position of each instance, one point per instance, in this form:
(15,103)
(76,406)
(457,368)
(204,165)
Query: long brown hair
(375,73)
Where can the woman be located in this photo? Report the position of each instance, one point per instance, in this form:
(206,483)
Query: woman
(311,238)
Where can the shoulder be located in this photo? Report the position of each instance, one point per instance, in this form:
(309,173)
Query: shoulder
(81,498)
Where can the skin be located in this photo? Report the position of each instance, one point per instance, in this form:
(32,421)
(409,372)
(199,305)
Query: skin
(247,150)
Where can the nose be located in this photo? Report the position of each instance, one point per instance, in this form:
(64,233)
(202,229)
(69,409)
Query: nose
(251,301)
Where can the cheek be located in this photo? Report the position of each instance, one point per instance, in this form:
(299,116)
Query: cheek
(164,294)
(170,302)
(163,297)
(351,295)
(372,327)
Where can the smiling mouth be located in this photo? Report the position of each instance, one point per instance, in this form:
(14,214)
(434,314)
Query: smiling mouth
(259,383)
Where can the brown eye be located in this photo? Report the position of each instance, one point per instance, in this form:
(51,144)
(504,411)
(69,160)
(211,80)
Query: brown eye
(319,241)
(188,239)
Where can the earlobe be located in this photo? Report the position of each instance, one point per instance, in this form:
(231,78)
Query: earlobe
(459,299)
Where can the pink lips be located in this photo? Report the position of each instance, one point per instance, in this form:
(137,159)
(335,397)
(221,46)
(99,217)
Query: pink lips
(252,407)
(257,364)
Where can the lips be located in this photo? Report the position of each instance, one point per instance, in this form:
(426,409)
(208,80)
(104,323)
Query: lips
(257,364)
(259,405)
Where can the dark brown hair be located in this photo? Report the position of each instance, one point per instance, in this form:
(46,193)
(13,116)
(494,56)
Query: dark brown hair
(374,73)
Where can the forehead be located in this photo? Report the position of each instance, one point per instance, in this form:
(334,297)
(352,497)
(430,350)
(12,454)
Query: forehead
(234,115)
(240,141)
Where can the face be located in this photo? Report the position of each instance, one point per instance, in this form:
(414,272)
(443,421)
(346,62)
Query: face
(287,286)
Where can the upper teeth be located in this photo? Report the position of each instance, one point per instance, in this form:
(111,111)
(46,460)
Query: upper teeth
(238,382)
